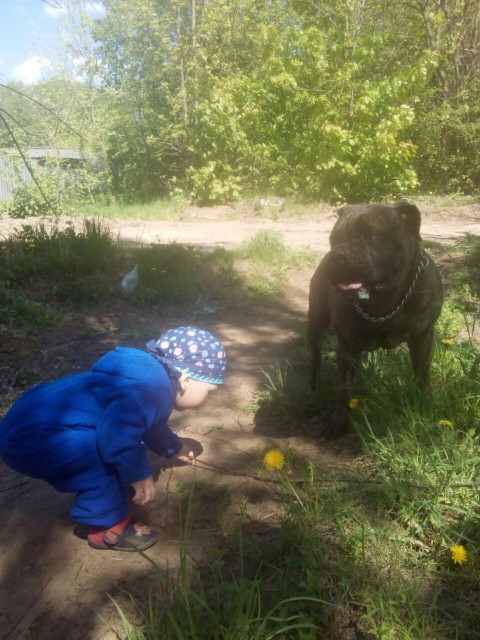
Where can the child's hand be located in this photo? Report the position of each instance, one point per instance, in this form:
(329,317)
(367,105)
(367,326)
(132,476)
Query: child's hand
(185,455)
(144,490)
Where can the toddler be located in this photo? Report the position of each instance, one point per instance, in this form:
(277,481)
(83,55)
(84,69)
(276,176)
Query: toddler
(88,433)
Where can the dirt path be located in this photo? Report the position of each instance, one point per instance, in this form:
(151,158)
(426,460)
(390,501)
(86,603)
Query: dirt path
(212,227)
(53,585)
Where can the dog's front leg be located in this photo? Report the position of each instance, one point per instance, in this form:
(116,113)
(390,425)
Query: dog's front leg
(316,332)
(347,363)
(420,347)
(318,320)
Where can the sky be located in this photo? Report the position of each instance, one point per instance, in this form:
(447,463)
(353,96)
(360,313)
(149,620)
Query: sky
(29,37)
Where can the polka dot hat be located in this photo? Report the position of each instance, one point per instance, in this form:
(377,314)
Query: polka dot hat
(193,351)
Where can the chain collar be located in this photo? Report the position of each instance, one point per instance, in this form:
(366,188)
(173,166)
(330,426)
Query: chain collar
(423,263)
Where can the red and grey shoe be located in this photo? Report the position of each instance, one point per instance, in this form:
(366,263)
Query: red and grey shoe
(126,535)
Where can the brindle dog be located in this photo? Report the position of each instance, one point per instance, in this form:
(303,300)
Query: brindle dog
(377,287)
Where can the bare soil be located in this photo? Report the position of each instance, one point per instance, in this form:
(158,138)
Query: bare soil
(52,584)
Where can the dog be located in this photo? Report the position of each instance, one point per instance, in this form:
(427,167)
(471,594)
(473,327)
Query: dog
(376,287)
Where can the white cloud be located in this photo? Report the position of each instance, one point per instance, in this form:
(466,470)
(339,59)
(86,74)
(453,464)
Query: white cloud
(32,69)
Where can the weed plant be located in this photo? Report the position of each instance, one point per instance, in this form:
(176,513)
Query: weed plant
(42,269)
(45,269)
(269,262)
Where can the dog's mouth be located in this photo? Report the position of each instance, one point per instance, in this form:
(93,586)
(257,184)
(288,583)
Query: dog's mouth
(361,289)
(351,286)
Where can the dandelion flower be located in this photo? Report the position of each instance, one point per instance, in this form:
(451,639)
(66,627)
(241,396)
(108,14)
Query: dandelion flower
(448,341)
(459,553)
(274,460)
(353,403)
(445,423)
(153,268)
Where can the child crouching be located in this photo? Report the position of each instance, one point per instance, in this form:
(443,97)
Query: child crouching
(89,433)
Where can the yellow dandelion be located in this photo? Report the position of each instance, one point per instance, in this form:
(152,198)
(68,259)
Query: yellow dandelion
(459,553)
(353,403)
(274,460)
(448,341)
(445,423)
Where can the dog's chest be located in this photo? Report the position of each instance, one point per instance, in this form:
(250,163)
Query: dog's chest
(363,335)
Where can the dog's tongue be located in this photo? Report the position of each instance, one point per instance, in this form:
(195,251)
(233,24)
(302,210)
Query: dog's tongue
(352,286)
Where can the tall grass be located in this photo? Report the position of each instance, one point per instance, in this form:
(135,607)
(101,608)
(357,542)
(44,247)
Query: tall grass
(42,269)
(47,269)
(269,262)
(383,549)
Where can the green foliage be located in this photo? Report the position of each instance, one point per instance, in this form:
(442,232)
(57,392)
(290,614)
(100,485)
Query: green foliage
(56,183)
(214,182)
(448,158)
(209,101)
(28,201)
(43,267)
(291,104)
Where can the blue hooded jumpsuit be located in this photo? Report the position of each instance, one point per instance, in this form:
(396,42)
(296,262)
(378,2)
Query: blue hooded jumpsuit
(88,433)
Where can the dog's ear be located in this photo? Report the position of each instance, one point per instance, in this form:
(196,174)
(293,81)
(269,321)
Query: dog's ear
(345,209)
(410,217)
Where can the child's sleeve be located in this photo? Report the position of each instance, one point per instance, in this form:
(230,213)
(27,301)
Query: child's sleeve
(120,433)
(162,440)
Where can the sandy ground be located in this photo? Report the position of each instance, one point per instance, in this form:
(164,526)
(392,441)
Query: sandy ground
(52,584)
(225,226)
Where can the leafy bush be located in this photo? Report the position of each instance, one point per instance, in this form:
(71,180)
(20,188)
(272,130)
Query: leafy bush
(58,183)
(27,201)
(447,134)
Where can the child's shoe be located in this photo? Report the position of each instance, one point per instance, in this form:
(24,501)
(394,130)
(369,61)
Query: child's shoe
(126,535)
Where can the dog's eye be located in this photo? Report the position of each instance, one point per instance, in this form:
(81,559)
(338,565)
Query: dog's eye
(368,235)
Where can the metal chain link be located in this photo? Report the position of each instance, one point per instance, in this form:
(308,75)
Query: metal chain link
(423,263)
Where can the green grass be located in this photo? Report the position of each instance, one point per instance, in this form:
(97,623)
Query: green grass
(43,270)
(176,209)
(269,262)
(361,551)
(47,270)
(167,209)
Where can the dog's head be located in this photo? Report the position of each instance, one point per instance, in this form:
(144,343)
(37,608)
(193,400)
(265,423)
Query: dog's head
(373,247)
